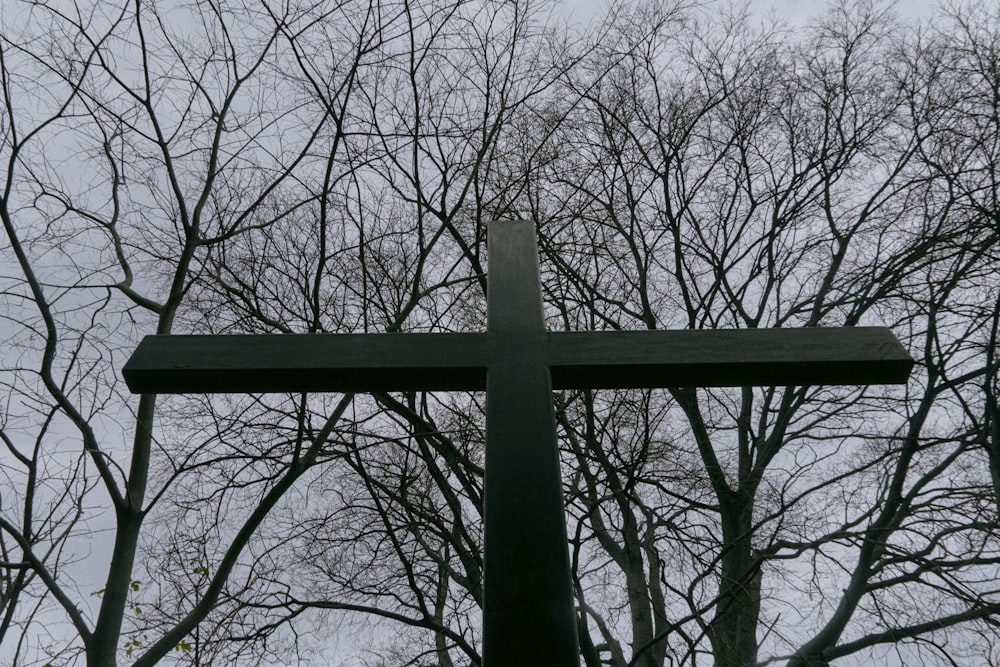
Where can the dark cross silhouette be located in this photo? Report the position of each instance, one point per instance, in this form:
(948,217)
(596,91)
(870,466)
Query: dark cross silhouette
(529,617)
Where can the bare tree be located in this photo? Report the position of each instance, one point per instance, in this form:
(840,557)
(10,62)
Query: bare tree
(317,167)
(176,150)
(716,176)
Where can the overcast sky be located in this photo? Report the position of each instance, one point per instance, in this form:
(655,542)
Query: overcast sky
(800,11)
(796,12)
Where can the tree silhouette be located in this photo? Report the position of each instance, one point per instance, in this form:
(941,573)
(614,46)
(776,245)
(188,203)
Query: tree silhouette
(234,167)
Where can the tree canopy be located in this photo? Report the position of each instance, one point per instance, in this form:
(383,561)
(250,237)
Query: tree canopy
(305,166)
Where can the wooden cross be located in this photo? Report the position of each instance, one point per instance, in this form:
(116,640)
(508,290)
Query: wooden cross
(529,616)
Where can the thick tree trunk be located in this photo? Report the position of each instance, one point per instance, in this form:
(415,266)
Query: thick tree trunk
(102,648)
(639,605)
(733,630)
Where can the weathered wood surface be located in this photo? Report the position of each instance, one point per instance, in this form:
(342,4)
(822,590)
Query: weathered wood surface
(459,361)
(529,617)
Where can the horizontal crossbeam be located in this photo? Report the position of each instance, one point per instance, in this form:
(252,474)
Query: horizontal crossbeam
(260,363)
(456,362)
(727,358)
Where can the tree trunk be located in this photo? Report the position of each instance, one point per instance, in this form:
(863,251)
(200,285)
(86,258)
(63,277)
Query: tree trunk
(733,630)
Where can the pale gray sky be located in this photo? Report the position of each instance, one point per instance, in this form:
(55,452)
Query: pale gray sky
(796,12)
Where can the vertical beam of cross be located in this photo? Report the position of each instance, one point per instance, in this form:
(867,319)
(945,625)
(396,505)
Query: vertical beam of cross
(529,617)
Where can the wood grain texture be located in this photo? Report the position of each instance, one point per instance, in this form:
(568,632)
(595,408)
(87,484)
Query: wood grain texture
(456,362)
